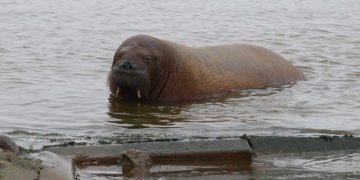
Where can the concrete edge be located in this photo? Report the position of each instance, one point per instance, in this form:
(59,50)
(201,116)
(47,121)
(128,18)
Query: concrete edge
(275,144)
(251,144)
(246,145)
(160,148)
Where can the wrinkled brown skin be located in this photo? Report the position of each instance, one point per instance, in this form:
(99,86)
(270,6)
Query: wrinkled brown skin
(186,73)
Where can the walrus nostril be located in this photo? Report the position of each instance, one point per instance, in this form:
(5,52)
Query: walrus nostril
(126,66)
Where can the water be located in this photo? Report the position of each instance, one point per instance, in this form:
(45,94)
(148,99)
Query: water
(55,57)
(339,165)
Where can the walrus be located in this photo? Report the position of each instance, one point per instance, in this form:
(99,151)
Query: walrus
(149,68)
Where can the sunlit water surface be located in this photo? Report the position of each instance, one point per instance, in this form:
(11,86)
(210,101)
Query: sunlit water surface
(55,56)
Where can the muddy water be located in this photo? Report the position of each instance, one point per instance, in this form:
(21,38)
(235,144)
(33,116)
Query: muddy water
(55,57)
(339,165)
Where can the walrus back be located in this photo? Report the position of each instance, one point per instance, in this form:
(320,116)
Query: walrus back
(249,66)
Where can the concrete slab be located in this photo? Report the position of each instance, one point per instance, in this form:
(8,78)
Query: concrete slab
(159,148)
(272,152)
(14,167)
(167,157)
(54,167)
(272,144)
(213,153)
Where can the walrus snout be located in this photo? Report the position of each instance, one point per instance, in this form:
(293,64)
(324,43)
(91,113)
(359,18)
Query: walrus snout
(127,66)
(129,81)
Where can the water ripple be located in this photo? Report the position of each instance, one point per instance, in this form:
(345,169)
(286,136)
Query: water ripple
(55,57)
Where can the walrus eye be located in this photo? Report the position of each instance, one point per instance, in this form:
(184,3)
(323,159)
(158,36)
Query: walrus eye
(148,58)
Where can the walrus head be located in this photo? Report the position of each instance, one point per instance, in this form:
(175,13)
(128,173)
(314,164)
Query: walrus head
(140,68)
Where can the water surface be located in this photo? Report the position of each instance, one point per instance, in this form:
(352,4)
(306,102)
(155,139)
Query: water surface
(55,57)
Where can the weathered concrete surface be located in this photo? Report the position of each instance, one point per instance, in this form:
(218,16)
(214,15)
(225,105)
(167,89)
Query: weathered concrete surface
(54,167)
(136,158)
(160,148)
(14,167)
(248,145)
(273,144)
(136,164)
(7,144)
(256,144)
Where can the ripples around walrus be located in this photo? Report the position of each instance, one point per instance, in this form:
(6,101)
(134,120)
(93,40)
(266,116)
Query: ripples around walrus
(55,57)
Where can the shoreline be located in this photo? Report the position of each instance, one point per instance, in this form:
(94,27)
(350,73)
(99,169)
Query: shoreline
(69,162)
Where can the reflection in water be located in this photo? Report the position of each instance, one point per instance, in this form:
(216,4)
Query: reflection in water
(170,166)
(142,114)
(310,165)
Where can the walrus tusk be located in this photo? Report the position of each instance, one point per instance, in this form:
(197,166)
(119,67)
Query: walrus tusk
(117,91)
(138,93)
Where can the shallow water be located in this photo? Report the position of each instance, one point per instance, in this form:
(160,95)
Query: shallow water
(55,57)
(330,165)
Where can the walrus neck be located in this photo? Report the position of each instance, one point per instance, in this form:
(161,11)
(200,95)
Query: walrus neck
(196,77)
(184,75)
(161,78)
(180,77)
